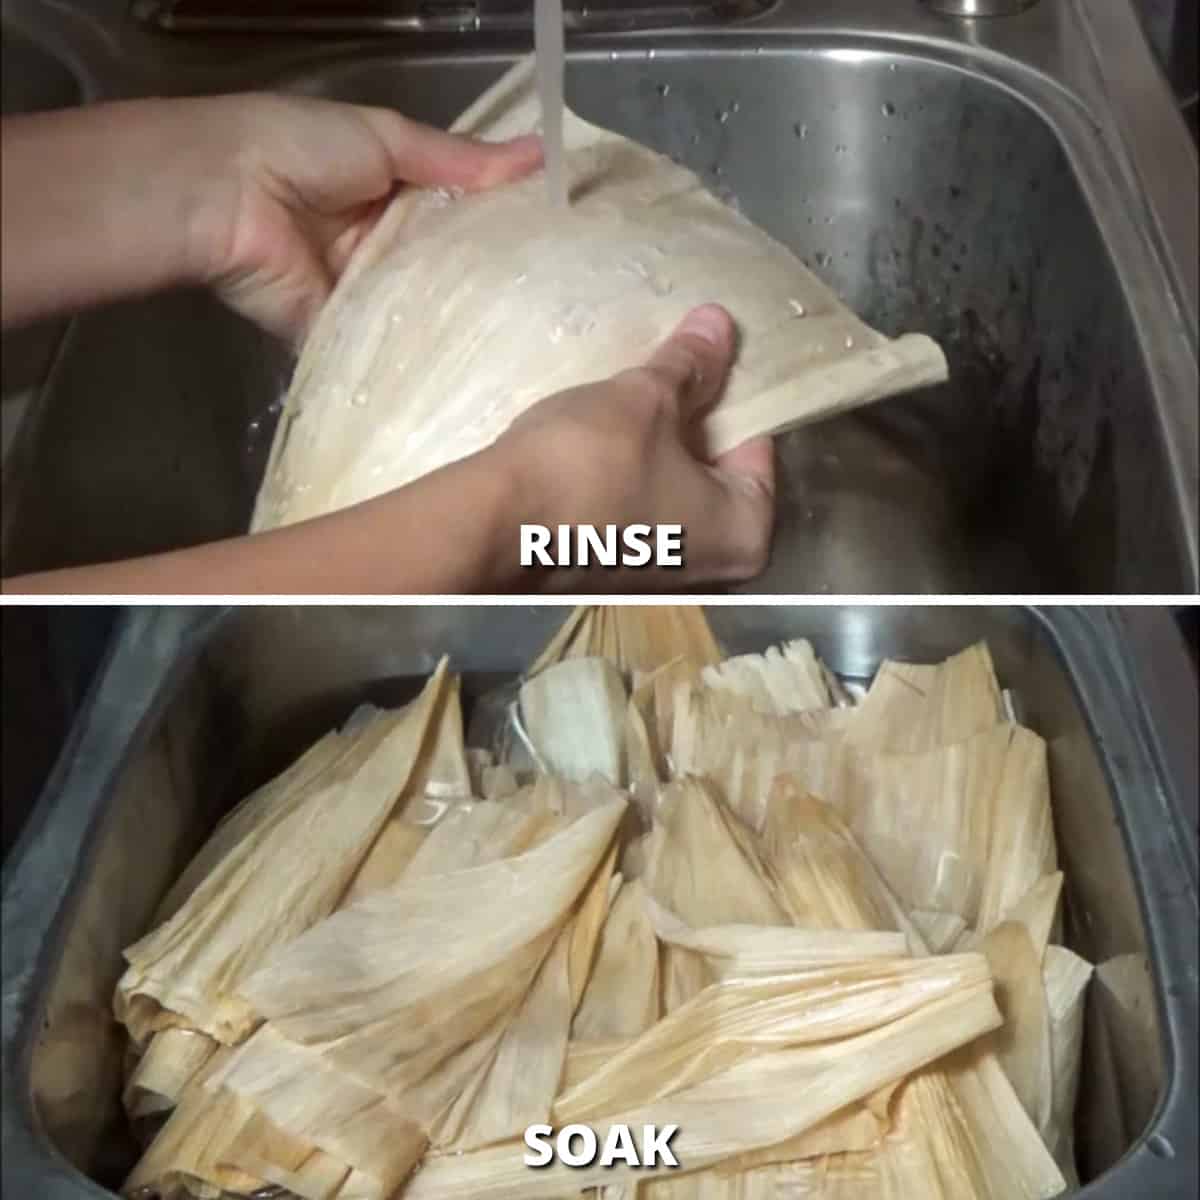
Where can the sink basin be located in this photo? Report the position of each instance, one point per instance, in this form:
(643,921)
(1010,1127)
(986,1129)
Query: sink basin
(936,187)
(192,711)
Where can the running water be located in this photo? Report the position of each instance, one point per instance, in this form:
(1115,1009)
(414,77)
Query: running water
(548,48)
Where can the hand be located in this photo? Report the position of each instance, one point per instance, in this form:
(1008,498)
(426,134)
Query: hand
(296,184)
(626,451)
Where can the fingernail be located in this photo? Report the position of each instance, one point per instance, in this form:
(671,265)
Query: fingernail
(710,322)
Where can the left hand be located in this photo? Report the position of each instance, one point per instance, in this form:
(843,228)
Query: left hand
(297,183)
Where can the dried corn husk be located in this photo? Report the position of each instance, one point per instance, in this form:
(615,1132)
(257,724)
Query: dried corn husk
(621,997)
(785,679)
(760,1101)
(1066,977)
(642,243)
(169,1064)
(188,971)
(911,708)
(573,715)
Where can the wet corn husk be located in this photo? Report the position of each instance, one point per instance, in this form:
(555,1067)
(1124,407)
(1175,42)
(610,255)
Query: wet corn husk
(911,707)
(760,1101)
(730,1021)
(621,998)
(188,971)
(719,734)
(728,953)
(172,1059)
(511,303)
(633,637)
(1066,978)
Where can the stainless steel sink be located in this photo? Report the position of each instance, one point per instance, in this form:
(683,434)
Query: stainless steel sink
(992,183)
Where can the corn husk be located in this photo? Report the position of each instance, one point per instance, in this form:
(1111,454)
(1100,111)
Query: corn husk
(785,679)
(573,715)
(831,884)
(394,848)
(760,1101)
(1066,978)
(170,1062)
(720,735)
(753,951)
(596,290)
(633,637)
(286,1162)
(524,1076)
(1022,1046)
(1037,911)
(260,810)
(964,828)
(734,1019)
(622,994)
(911,708)
(376,973)
(300,1093)
(188,971)
(825,878)
(190,1148)
(941,931)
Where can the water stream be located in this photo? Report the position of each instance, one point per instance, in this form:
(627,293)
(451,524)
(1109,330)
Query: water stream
(548,48)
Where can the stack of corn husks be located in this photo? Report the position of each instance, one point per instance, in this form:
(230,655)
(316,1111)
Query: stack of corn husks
(817,936)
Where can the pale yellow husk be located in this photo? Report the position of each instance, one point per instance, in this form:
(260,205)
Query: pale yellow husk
(188,971)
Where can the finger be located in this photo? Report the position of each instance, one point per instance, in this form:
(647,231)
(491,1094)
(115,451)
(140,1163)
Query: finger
(696,358)
(750,465)
(431,157)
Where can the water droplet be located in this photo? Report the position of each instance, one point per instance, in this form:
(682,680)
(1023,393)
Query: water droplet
(360,398)
(800,130)
(664,89)
(734,106)
(849,342)
(651,53)
(823,258)
(722,115)
(612,56)
(839,148)
(891,66)
(797,308)
(524,275)
(889,109)
(695,139)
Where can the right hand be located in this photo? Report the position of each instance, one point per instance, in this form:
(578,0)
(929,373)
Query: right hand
(626,451)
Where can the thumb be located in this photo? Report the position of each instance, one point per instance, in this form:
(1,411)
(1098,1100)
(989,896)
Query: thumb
(746,476)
